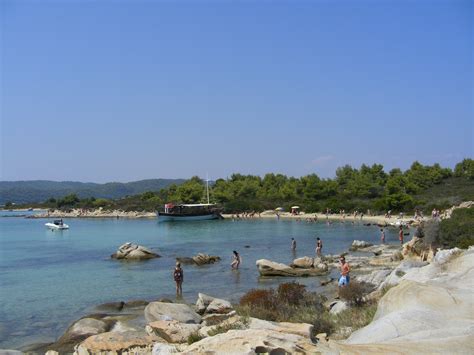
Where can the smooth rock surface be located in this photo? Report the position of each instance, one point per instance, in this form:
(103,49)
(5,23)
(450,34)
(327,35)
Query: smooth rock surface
(129,251)
(270,268)
(337,307)
(252,341)
(167,311)
(207,304)
(172,331)
(305,262)
(128,342)
(213,319)
(430,311)
(359,244)
(375,278)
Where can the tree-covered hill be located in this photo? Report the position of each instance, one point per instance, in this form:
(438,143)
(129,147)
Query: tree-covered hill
(366,188)
(33,191)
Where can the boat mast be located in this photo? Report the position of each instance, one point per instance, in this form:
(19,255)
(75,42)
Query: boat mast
(207,186)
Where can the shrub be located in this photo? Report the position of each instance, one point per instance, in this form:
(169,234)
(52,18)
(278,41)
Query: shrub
(259,298)
(354,292)
(291,292)
(357,317)
(194,337)
(289,303)
(225,326)
(457,230)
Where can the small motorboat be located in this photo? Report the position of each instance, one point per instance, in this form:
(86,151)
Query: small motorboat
(57,224)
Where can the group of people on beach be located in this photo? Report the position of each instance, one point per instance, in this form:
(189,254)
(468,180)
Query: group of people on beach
(245,215)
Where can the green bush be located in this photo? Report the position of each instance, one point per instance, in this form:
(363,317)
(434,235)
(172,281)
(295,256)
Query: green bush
(457,231)
(354,292)
(194,337)
(289,303)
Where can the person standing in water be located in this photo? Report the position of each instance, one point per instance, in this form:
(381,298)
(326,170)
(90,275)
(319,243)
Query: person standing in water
(235,260)
(178,278)
(319,246)
(400,235)
(293,244)
(382,235)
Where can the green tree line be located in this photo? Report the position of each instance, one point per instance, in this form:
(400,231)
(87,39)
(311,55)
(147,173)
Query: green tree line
(369,187)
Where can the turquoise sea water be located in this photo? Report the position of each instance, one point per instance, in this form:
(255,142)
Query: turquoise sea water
(50,278)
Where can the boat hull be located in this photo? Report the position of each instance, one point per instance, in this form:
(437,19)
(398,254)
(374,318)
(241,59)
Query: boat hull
(164,217)
(56,227)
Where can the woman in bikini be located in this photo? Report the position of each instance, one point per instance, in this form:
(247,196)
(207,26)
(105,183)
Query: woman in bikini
(235,260)
(178,275)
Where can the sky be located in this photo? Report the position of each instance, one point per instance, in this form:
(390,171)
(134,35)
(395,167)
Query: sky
(126,90)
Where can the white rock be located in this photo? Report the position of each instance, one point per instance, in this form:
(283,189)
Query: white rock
(304,262)
(430,311)
(338,307)
(168,311)
(172,331)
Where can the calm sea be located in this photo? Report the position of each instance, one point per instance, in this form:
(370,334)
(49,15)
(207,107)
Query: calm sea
(50,278)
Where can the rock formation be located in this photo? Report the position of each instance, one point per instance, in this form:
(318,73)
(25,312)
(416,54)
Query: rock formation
(270,268)
(129,251)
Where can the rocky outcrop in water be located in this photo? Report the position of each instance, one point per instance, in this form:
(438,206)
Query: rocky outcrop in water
(359,244)
(199,259)
(129,251)
(270,268)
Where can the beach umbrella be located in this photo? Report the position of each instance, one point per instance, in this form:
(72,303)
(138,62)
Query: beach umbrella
(295,207)
(279,209)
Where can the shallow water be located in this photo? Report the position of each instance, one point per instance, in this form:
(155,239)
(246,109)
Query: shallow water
(50,278)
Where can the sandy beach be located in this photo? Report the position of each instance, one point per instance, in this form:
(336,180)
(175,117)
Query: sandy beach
(379,219)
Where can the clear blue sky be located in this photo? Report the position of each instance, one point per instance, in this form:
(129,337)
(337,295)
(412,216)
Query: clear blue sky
(126,90)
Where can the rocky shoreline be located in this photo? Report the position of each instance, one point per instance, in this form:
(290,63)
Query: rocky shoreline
(163,327)
(307,217)
(423,297)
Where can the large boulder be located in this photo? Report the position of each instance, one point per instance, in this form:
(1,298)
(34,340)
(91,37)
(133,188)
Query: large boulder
(172,331)
(305,262)
(359,244)
(207,304)
(129,251)
(395,276)
(202,259)
(375,278)
(199,259)
(337,307)
(80,330)
(414,248)
(430,311)
(251,341)
(270,268)
(301,329)
(216,318)
(168,311)
(138,343)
